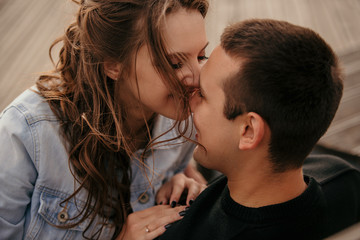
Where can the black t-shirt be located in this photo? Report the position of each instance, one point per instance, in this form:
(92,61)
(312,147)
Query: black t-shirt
(330,203)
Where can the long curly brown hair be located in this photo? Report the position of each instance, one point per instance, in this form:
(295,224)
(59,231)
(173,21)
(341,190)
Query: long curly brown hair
(82,96)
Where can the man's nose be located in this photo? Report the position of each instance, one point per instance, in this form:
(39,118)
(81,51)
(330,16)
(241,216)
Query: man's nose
(194,100)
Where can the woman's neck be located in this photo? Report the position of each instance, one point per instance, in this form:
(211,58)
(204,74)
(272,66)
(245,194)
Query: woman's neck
(136,123)
(139,129)
(137,118)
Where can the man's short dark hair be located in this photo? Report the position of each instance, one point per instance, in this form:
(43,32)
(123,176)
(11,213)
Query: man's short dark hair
(288,75)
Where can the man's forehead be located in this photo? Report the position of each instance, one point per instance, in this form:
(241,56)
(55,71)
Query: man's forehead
(220,66)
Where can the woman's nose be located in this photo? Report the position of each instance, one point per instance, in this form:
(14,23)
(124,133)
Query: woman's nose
(192,75)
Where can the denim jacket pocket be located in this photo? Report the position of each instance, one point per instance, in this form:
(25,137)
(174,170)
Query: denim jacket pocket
(143,195)
(54,215)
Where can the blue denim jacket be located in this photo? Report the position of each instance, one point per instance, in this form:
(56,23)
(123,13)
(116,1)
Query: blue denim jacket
(35,176)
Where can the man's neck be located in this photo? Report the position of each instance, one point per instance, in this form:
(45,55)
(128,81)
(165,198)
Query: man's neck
(257,189)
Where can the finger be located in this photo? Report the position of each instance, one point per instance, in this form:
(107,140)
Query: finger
(157,226)
(194,190)
(167,216)
(156,212)
(152,218)
(163,201)
(199,178)
(200,188)
(177,190)
(151,211)
(203,187)
(155,233)
(162,198)
(192,172)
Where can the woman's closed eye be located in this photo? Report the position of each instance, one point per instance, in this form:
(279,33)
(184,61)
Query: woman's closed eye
(202,58)
(177,65)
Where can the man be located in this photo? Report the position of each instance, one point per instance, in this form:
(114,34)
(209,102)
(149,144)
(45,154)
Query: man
(267,94)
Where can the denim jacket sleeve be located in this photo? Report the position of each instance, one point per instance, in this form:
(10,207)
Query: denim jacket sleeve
(35,176)
(17,172)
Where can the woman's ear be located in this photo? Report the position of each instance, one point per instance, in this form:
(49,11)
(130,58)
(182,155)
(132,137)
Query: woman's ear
(112,69)
(252,131)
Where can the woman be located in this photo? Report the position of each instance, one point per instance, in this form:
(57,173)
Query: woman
(125,68)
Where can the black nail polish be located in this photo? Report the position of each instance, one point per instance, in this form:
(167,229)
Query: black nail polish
(173,204)
(161,203)
(167,226)
(187,208)
(191,201)
(182,213)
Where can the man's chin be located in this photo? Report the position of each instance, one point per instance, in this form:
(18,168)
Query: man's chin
(200,155)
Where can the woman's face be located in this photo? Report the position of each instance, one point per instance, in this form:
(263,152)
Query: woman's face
(184,32)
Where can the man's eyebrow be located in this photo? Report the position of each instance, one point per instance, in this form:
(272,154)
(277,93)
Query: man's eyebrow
(175,54)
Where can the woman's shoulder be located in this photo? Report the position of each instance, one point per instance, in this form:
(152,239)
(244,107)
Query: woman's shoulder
(31,105)
(166,128)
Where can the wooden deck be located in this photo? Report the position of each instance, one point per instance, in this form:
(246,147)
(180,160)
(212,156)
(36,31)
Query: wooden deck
(27,29)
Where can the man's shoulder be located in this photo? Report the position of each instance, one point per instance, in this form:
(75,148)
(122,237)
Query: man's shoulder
(328,168)
(213,191)
(218,181)
(203,214)
(336,177)
(339,182)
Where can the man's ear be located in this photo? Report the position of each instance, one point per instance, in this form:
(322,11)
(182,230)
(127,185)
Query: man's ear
(252,131)
(112,69)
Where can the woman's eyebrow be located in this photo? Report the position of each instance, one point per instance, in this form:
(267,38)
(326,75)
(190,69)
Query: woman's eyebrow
(207,44)
(175,54)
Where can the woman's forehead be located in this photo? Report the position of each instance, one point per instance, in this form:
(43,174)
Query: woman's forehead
(184,32)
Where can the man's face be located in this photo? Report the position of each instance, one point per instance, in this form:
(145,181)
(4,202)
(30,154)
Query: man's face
(215,132)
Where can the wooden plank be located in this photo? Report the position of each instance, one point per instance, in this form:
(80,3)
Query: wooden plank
(343,134)
(350,233)
(34,24)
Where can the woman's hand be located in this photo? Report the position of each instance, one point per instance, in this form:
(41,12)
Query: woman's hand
(191,172)
(150,223)
(171,191)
